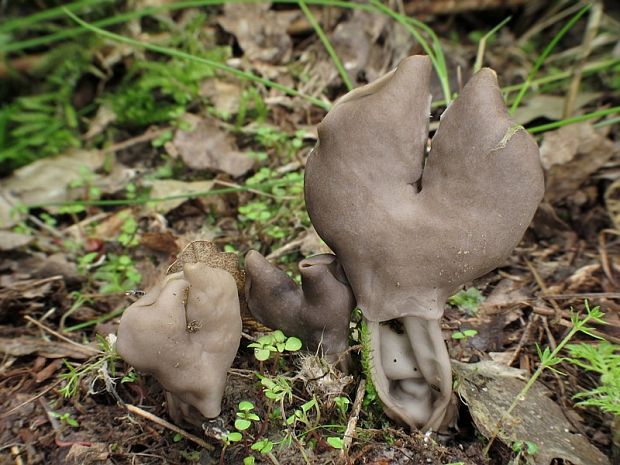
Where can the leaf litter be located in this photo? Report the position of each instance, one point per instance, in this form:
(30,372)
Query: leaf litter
(50,255)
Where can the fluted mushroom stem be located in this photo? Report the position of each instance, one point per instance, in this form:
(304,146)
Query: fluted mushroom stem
(411,373)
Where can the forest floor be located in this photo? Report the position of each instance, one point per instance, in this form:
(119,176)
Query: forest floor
(194,122)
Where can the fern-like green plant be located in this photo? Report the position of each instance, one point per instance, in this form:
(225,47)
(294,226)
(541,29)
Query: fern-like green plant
(603,359)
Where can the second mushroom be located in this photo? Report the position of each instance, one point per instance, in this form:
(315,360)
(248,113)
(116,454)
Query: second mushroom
(410,227)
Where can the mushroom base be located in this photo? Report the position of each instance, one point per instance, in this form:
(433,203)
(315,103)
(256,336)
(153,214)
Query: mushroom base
(410,368)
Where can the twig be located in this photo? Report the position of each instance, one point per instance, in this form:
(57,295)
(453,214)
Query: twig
(524,337)
(286,248)
(544,289)
(586,47)
(84,348)
(482,44)
(349,433)
(161,422)
(602,248)
(149,135)
(33,398)
(17,455)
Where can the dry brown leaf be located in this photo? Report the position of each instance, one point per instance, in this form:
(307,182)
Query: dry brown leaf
(207,147)
(164,188)
(488,389)
(91,454)
(612,201)
(549,106)
(570,155)
(10,240)
(261,33)
(48,179)
(27,345)
(224,95)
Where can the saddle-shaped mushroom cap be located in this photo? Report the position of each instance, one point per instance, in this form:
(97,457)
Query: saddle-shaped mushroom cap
(185,332)
(409,229)
(318,312)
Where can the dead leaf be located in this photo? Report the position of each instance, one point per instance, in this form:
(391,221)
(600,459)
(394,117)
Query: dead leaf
(47,180)
(111,226)
(80,454)
(10,240)
(103,118)
(207,252)
(488,389)
(27,345)
(207,147)
(549,106)
(50,179)
(612,201)
(165,242)
(260,32)
(164,188)
(570,155)
(224,95)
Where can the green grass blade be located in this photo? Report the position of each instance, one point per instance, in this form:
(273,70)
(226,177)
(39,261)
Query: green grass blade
(482,43)
(435,54)
(573,120)
(47,15)
(543,56)
(214,64)
(328,46)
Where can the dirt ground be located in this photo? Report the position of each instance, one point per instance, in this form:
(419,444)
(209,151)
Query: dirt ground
(127,154)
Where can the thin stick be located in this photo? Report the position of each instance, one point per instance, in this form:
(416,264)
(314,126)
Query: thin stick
(161,422)
(482,43)
(586,47)
(84,348)
(349,433)
(33,398)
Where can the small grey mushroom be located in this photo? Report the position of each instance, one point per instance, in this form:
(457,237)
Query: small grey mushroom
(410,228)
(318,312)
(185,332)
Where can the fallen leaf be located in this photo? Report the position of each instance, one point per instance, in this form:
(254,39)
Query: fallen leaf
(224,95)
(570,155)
(549,106)
(94,453)
(207,147)
(48,179)
(612,201)
(488,389)
(260,32)
(10,240)
(27,345)
(164,188)
(102,119)
(164,242)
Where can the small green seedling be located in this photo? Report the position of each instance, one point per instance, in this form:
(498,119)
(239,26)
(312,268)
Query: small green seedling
(264,446)
(335,442)
(524,449)
(464,335)
(231,437)
(467,300)
(342,404)
(301,414)
(245,416)
(275,342)
(66,418)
